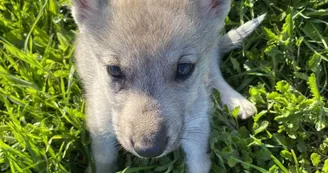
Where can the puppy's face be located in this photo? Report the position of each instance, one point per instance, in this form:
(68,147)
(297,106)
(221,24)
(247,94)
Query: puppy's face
(150,57)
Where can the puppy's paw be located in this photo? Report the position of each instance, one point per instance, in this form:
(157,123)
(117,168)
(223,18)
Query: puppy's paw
(89,169)
(247,109)
(200,165)
(101,169)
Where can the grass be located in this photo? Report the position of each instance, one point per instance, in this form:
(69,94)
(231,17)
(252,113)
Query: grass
(282,67)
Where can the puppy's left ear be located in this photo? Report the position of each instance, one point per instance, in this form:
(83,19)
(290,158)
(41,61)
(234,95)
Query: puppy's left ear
(215,8)
(89,12)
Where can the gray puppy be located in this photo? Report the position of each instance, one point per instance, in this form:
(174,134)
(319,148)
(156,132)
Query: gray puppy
(148,67)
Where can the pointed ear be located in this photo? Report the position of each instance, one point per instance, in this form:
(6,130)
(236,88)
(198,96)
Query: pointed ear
(87,10)
(235,37)
(215,8)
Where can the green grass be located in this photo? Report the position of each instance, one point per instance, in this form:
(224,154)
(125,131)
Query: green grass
(282,67)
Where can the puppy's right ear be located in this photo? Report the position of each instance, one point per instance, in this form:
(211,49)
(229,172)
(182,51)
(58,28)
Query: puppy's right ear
(89,10)
(215,8)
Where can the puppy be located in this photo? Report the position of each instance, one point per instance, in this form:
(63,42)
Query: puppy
(147,68)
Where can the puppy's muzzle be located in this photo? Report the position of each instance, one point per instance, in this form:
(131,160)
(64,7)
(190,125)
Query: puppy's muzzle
(151,145)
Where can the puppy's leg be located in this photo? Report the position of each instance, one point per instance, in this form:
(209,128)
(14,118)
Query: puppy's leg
(99,122)
(228,42)
(195,141)
(196,147)
(104,154)
(229,96)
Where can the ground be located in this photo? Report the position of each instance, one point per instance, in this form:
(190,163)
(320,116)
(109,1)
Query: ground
(282,68)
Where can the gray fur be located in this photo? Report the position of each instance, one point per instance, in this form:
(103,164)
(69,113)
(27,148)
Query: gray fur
(147,39)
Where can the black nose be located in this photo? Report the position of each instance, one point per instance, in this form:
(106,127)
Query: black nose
(151,147)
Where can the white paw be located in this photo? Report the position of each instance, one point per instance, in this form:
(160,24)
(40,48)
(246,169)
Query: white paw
(200,165)
(109,168)
(89,169)
(247,109)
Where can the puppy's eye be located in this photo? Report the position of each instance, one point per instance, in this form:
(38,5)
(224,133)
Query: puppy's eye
(184,70)
(114,71)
